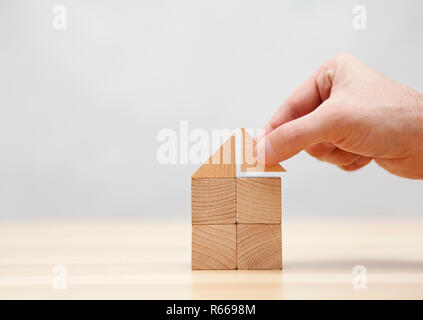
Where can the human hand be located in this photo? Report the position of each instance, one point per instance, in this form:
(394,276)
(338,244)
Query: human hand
(348,114)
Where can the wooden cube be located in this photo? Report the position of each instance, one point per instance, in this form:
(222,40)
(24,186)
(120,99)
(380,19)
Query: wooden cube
(259,247)
(213,247)
(258,200)
(213,200)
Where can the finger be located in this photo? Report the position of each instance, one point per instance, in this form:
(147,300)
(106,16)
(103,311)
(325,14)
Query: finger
(359,163)
(294,136)
(328,152)
(320,150)
(305,98)
(340,157)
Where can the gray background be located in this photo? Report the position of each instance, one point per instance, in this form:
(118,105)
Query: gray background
(81,108)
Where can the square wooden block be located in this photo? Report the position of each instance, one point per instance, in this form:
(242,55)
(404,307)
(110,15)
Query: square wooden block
(213,200)
(213,247)
(259,247)
(259,200)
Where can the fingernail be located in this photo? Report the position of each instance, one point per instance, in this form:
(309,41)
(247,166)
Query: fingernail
(264,148)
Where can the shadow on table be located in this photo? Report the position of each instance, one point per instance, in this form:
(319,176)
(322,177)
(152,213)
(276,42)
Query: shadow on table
(342,264)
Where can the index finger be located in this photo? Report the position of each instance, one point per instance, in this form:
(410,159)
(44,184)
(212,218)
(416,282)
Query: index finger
(306,98)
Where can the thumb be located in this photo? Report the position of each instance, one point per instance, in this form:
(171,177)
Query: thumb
(294,136)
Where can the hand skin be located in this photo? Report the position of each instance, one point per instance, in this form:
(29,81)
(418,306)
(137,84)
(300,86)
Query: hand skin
(349,114)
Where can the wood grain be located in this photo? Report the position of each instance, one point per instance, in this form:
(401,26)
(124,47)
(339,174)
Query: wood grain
(259,247)
(213,247)
(145,259)
(221,164)
(259,200)
(249,161)
(213,201)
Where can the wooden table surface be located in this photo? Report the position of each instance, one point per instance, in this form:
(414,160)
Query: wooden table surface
(151,260)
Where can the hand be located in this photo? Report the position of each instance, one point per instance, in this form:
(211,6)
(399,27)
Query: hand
(348,114)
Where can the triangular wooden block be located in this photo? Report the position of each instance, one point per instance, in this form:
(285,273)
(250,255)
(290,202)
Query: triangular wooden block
(249,161)
(221,164)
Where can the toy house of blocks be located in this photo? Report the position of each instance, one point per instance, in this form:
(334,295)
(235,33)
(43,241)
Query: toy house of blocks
(236,210)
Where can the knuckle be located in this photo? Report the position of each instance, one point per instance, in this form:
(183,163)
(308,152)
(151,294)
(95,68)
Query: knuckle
(337,115)
(293,137)
(343,56)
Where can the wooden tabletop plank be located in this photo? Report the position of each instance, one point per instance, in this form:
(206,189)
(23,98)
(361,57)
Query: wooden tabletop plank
(151,260)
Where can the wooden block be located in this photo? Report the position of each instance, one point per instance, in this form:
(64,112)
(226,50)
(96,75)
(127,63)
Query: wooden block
(213,247)
(259,247)
(221,164)
(213,201)
(259,200)
(249,161)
